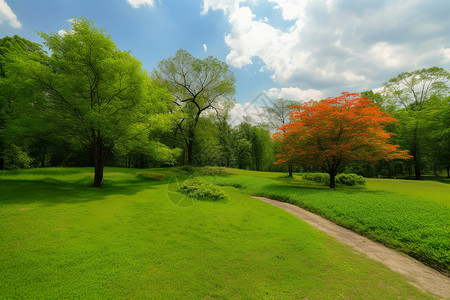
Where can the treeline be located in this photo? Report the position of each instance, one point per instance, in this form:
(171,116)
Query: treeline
(87,103)
(420,101)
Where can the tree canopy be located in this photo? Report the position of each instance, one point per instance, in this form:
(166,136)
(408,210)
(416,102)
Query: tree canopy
(330,132)
(197,86)
(94,93)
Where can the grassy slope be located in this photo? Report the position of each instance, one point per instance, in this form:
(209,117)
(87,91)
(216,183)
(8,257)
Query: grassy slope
(411,216)
(60,238)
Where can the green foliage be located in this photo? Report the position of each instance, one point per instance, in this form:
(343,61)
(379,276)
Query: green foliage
(317,177)
(197,86)
(350,179)
(93,95)
(417,226)
(261,147)
(199,189)
(15,158)
(344,179)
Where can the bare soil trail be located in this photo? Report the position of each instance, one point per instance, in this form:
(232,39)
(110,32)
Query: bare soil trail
(419,275)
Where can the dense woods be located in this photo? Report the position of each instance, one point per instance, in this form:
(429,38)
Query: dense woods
(87,103)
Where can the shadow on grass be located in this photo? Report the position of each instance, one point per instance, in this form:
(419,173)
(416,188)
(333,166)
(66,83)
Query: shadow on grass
(52,191)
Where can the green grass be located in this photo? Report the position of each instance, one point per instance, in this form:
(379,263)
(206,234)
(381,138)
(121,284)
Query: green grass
(410,216)
(60,238)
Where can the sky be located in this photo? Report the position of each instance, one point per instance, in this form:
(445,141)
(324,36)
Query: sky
(297,49)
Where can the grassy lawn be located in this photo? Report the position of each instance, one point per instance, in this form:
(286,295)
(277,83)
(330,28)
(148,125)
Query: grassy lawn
(410,216)
(59,238)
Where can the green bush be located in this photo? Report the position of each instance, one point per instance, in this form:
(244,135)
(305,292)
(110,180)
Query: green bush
(345,179)
(16,158)
(350,179)
(317,177)
(197,188)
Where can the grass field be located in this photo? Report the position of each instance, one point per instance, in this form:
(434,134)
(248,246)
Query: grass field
(60,238)
(410,216)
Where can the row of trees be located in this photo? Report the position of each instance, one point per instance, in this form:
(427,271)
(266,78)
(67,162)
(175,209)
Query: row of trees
(420,101)
(89,103)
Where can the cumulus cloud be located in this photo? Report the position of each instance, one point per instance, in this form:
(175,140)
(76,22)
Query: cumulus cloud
(139,3)
(250,111)
(337,45)
(6,14)
(294,93)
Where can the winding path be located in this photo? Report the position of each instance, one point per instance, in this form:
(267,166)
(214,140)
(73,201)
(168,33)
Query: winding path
(419,275)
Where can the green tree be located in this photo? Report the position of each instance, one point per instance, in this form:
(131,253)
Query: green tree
(96,95)
(261,145)
(410,92)
(278,114)
(197,86)
(9,48)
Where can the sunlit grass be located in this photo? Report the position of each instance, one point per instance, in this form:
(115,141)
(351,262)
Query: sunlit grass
(410,216)
(61,238)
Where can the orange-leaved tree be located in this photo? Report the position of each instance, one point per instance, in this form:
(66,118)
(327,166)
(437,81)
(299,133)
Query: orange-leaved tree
(330,132)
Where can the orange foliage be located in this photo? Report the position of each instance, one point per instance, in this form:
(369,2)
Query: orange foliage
(328,132)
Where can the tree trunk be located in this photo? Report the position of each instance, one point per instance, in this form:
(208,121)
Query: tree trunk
(448,172)
(417,171)
(290,170)
(332,180)
(190,160)
(98,177)
(100,154)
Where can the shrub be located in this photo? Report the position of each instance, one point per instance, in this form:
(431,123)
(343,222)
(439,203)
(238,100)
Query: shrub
(317,177)
(345,179)
(350,179)
(197,188)
(16,158)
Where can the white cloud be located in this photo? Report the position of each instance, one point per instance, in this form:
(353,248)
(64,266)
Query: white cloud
(248,110)
(205,48)
(294,93)
(139,3)
(225,5)
(6,14)
(63,32)
(336,46)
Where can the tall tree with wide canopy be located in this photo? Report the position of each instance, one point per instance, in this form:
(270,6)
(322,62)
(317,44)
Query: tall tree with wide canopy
(197,85)
(411,91)
(96,95)
(329,132)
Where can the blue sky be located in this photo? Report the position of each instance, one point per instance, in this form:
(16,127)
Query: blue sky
(299,49)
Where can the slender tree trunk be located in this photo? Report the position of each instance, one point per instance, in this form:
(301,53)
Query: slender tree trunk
(290,170)
(100,155)
(190,147)
(332,180)
(448,172)
(98,177)
(2,160)
(417,171)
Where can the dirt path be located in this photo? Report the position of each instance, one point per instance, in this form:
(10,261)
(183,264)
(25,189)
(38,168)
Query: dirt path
(419,275)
